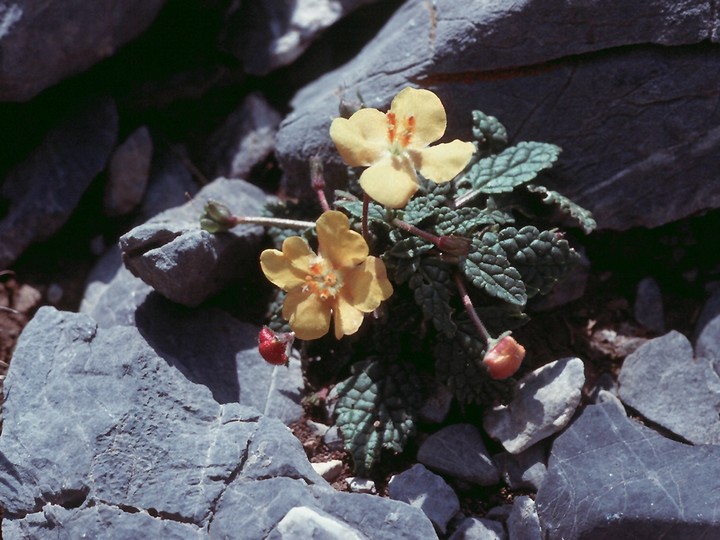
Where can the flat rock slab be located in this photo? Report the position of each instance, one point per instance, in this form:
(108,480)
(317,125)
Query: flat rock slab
(610,477)
(665,383)
(459,451)
(544,403)
(186,264)
(102,432)
(642,158)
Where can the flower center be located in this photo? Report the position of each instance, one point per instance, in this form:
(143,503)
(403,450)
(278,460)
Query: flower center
(322,279)
(400,132)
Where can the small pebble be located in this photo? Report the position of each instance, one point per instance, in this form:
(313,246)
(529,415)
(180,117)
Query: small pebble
(54,294)
(361,485)
(329,470)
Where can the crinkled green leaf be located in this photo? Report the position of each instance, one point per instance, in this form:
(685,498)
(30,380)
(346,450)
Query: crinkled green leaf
(489,132)
(425,206)
(458,364)
(466,221)
(577,213)
(543,258)
(433,286)
(404,256)
(512,167)
(354,208)
(488,268)
(376,409)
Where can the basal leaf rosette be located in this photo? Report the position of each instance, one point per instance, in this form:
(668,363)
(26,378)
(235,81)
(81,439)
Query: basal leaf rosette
(395,146)
(342,281)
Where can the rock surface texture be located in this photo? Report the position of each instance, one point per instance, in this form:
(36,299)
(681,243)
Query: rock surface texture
(104,431)
(647,70)
(42,42)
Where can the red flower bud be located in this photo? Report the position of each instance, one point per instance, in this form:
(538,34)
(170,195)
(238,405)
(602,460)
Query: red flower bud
(454,245)
(274,347)
(504,357)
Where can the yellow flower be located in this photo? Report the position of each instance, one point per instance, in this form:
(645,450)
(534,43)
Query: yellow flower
(341,280)
(394,145)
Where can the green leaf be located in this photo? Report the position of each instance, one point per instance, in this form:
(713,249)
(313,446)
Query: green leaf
(466,221)
(542,258)
(577,213)
(433,286)
(375,211)
(514,166)
(376,409)
(489,132)
(403,257)
(458,364)
(488,268)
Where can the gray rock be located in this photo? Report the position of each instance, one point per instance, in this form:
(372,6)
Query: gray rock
(43,42)
(187,264)
(361,485)
(479,529)
(45,188)
(648,307)
(104,431)
(246,139)
(112,294)
(610,477)
(437,405)
(539,67)
(707,329)
(525,470)
(104,520)
(270,34)
(128,173)
(544,403)
(419,487)
(170,183)
(664,383)
(303,522)
(523,522)
(459,451)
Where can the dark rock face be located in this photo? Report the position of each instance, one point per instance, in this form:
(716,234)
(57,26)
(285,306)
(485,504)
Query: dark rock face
(44,190)
(637,121)
(636,484)
(43,42)
(102,431)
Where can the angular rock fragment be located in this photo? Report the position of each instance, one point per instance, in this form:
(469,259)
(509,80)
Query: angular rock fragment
(186,264)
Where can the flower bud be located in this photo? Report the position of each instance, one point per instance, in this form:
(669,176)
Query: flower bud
(504,357)
(459,246)
(274,347)
(217,217)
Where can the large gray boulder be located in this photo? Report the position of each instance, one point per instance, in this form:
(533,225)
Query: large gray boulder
(104,431)
(45,41)
(626,87)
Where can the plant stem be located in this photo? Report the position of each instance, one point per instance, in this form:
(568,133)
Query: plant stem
(365,210)
(462,200)
(317,181)
(435,240)
(274,222)
(467,303)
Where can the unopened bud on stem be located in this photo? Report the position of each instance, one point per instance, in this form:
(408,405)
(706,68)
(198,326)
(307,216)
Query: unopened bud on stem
(504,357)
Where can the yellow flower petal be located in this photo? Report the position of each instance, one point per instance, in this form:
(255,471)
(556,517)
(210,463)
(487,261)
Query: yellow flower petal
(287,268)
(361,139)
(443,162)
(347,318)
(308,316)
(390,182)
(428,111)
(338,244)
(367,285)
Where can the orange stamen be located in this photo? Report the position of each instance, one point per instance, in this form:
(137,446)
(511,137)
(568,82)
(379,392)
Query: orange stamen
(408,131)
(392,128)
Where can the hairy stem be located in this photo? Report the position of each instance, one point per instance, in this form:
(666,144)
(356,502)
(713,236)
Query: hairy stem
(467,303)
